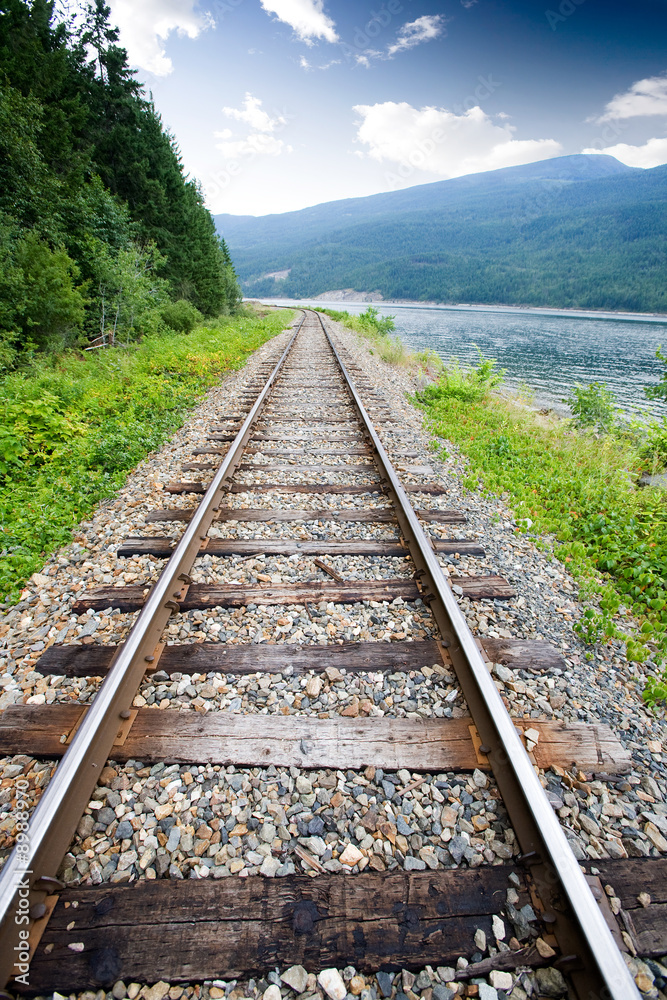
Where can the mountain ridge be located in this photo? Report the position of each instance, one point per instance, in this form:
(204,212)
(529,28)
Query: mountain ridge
(582,231)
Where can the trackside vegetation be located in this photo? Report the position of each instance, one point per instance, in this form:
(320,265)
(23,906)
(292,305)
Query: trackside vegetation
(72,425)
(376,330)
(577,480)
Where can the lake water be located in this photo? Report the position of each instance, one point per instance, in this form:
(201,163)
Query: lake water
(548,351)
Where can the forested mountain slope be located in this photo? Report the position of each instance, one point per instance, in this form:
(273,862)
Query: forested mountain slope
(582,231)
(99,226)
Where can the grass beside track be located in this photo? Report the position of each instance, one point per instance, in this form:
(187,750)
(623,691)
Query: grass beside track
(576,486)
(73,426)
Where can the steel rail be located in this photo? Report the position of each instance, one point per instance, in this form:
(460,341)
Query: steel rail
(596,968)
(29,872)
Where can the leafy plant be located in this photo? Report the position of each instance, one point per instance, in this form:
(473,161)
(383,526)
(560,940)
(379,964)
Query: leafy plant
(467,384)
(181,316)
(659,391)
(592,407)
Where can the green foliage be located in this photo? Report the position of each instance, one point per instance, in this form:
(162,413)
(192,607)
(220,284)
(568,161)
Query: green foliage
(659,391)
(592,407)
(371,322)
(654,449)
(71,427)
(181,316)
(612,537)
(466,384)
(99,224)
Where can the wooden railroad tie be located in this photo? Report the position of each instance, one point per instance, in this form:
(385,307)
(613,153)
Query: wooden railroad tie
(433,489)
(211,595)
(428,745)
(385,514)
(249,658)
(163,547)
(246,925)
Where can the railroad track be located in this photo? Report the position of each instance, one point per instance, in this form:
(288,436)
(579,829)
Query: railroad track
(309,426)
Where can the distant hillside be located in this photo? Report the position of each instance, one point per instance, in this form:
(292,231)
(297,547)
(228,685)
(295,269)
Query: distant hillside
(581,231)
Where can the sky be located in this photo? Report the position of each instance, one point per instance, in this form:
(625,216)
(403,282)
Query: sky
(281,104)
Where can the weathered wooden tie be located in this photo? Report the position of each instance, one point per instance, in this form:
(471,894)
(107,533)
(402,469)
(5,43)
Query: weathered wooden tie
(428,745)
(248,658)
(140,932)
(211,595)
(292,514)
(163,547)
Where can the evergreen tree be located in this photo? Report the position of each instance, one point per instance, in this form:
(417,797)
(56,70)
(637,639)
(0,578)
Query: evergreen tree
(88,169)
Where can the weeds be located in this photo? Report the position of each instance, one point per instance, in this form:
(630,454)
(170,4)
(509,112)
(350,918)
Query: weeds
(71,427)
(612,536)
(376,329)
(592,407)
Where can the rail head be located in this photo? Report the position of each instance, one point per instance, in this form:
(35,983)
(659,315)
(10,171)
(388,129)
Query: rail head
(539,831)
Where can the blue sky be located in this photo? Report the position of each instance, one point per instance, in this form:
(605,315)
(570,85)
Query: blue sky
(280,104)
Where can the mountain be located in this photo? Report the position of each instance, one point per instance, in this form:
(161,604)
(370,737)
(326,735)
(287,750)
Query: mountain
(579,231)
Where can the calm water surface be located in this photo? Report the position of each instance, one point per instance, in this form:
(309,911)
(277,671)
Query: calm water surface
(548,351)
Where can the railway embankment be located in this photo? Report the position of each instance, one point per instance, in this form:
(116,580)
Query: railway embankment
(216,830)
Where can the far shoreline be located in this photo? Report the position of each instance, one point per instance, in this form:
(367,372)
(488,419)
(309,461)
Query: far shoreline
(321,302)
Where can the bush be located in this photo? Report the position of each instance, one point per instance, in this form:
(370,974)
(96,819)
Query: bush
(372,322)
(466,384)
(592,407)
(654,449)
(181,316)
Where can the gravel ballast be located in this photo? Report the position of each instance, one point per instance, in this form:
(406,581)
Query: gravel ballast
(215,822)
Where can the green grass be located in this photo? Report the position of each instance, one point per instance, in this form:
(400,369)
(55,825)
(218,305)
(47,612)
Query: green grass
(73,426)
(579,487)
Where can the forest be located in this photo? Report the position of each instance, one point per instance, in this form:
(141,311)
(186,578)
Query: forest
(103,236)
(580,231)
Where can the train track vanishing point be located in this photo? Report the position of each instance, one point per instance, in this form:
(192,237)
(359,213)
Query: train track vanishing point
(312,381)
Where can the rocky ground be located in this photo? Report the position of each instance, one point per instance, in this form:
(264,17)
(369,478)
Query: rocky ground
(215,822)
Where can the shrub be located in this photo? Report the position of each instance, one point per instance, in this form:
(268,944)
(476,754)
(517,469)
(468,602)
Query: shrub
(466,384)
(181,316)
(592,407)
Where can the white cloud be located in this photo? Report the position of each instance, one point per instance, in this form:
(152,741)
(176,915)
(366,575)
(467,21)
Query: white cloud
(251,113)
(645,97)
(306,17)
(652,154)
(424,29)
(441,142)
(259,141)
(145,26)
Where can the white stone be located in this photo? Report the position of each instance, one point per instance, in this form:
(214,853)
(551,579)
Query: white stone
(480,939)
(332,983)
(272,993)
(296,978)
(351,855)
(269,867)
(498,928)
(501,980)
(480,778)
